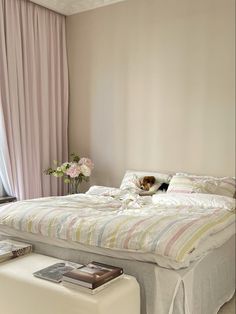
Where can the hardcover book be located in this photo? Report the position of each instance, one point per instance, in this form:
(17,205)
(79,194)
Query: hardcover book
(92,275)
(12,249)
(55,272)
(80,288)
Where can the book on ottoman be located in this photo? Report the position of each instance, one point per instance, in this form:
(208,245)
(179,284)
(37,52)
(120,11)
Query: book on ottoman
(10,249)
(55,272)
(80,288)
(92,275)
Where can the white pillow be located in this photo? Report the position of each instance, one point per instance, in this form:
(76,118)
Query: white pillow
(130,182)
(132,177)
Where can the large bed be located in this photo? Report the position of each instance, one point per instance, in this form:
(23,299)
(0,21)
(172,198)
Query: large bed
(180,245)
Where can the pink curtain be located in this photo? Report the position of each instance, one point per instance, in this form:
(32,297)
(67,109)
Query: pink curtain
(33,97)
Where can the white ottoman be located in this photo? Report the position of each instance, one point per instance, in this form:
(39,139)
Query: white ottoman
(22,293)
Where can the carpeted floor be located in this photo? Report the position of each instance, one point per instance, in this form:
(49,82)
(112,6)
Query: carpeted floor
(228,308)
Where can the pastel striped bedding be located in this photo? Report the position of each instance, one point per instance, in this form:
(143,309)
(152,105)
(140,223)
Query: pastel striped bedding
(187,183)
(170,230)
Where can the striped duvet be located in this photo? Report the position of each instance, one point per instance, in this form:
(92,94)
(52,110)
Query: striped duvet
(173,229)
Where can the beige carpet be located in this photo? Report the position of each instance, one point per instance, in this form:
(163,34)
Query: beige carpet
(228,308)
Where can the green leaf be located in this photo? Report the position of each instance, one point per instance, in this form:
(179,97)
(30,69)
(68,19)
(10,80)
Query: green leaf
(75,158)
(48,171)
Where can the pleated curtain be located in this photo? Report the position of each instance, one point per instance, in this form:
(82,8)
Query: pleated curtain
(33,98)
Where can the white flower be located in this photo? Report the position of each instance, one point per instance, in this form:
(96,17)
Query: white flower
(65,166)
(85,170)
(57,174)
(86,161)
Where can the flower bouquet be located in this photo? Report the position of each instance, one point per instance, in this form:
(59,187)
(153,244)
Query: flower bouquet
(73,172)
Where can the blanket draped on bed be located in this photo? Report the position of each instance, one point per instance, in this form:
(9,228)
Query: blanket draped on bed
(121,223)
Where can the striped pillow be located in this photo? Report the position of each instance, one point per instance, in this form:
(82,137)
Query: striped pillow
(181,184)
(185,183)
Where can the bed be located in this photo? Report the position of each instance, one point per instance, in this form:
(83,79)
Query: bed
(180,245)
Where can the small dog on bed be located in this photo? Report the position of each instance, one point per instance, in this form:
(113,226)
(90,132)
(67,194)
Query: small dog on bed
(147,182)
(149,185)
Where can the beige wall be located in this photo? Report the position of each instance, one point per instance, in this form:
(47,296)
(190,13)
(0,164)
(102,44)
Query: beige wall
(152,87)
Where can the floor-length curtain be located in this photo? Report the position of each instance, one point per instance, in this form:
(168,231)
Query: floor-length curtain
(5,167)
(33,97)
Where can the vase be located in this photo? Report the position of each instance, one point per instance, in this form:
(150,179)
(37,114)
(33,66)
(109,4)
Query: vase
(74,187)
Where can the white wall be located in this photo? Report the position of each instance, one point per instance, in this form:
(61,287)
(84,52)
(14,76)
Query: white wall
(152,87)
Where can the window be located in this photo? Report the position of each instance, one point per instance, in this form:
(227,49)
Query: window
(2,192)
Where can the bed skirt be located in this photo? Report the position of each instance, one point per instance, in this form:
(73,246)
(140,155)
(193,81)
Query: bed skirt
(201,288)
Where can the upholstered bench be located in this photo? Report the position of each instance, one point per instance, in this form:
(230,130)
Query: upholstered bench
(22,293)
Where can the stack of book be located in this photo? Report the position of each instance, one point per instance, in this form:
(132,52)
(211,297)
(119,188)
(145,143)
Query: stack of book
(91,278)
(11,249)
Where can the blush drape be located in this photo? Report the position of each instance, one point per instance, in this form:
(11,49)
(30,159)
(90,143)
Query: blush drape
(33,98)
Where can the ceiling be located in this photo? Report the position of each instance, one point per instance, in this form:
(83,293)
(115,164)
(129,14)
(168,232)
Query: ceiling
(68,7)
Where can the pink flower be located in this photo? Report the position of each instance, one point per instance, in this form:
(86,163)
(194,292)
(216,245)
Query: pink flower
(87,162)
(74,170)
